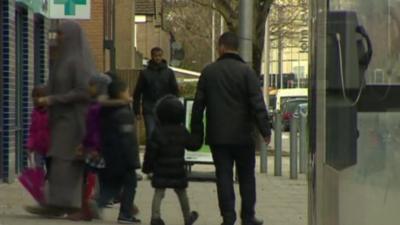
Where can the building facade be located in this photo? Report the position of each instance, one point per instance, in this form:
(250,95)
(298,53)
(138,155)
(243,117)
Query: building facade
(149,30)
(110,31)
(23,63)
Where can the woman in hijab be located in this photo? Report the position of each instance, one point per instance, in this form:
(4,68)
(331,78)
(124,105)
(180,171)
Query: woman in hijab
(68,102)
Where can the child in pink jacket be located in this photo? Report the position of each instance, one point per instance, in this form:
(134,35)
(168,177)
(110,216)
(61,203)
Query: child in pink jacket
(39,136)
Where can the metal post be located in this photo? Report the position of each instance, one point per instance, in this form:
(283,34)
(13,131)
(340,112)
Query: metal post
(113,54)
(246,12)
(280,50)
(213,33)
(222,25)
(263,146)
(266,64)
(293,146)
(278,143)
(303,142)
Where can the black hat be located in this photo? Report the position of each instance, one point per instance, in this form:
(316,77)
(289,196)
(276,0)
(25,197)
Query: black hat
(170,110)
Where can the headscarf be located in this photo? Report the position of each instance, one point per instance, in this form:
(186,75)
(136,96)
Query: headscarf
(75,48)
(101,81)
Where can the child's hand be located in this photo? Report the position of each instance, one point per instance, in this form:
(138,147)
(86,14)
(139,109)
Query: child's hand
(128,100)
(94,155)
(43,101)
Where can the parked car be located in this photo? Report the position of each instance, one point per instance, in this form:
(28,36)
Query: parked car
(284,95)
(302,108)
(288,109)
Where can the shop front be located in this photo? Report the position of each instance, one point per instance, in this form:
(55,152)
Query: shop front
(24,55)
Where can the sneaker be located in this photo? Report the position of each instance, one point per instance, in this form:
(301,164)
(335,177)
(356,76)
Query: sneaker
(97,213)
(253,221)
(45,211)
(125,220)
(157,222)
(139,177)
(192,218)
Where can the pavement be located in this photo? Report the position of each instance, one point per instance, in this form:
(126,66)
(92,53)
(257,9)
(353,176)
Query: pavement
(280,201)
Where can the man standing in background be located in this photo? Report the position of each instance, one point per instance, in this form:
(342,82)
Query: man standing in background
(155,82)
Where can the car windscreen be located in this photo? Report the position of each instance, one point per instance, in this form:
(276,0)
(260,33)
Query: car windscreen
(291,106)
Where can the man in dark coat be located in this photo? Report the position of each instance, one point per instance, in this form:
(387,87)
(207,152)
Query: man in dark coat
(230,93)
(155,82)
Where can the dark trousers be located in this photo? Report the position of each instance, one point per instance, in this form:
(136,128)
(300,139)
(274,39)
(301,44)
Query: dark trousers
(244,159)
(150,124)
(110,187)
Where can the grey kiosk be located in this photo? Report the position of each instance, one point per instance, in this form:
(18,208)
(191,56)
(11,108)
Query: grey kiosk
(354,169)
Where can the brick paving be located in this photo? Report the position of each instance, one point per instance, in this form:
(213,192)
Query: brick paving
(280,201)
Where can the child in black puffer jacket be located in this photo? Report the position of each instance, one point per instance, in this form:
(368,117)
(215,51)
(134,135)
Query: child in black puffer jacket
(165,157)
(121,154)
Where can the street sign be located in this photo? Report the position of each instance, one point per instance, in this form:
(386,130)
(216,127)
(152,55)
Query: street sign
(70,9)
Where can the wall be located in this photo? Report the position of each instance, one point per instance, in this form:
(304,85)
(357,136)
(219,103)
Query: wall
(17,77)
(8,97)
(94,29)
(124,34)
(27,83)
(149,35)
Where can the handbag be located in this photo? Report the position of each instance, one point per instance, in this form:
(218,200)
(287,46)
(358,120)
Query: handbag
(33,180)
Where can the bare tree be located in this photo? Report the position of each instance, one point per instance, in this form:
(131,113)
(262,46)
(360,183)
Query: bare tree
(190,23)
(191,20)
(230,12)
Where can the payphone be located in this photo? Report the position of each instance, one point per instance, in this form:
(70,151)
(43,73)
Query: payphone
(349,53)
(355,122)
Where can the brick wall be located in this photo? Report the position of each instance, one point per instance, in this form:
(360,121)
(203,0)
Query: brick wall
(28,80)
(94,29)
(7,108)
(42,26)
(17,77)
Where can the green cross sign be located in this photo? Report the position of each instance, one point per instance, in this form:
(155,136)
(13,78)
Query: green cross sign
(70,5)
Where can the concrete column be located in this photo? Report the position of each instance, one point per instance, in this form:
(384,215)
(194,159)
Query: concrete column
(125,34)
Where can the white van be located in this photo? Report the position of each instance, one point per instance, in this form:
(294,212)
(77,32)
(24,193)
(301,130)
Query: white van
(284,94)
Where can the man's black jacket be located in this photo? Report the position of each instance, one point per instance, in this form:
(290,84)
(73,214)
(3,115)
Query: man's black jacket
(230,93)
(155,82)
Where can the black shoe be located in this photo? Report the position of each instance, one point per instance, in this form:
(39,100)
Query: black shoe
(157,222)
(45,211)
(125,220)
(192,218)
(253,221)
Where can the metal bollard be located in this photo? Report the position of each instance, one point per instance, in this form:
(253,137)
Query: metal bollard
(278,143)
(293,146)
(303,142)
(263,156)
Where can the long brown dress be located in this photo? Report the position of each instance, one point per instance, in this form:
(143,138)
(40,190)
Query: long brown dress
(68,100)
